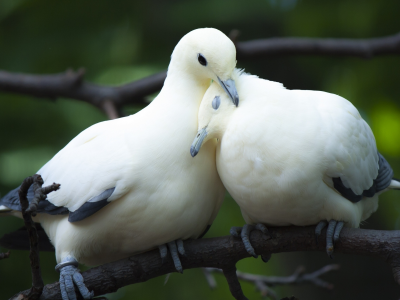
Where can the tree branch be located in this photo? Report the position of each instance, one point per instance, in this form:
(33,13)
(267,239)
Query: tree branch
(364,48)
(71,85)
(223,252)
(28,210)
(19,240)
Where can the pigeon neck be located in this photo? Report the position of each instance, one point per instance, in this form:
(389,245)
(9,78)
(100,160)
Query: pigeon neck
(181,82)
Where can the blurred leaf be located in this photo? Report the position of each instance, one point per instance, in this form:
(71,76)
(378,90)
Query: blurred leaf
(22,163)
(386,126)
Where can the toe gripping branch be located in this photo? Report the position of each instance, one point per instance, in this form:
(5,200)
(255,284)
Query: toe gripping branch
(244,233)
(69,274)
(174,247)
(332,234)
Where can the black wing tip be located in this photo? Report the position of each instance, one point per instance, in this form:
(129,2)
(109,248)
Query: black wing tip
(380,183)
(91,207)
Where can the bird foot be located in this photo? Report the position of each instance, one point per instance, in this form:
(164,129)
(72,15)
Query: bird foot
(332,234)
(244,234)
(69,274)
(175,248)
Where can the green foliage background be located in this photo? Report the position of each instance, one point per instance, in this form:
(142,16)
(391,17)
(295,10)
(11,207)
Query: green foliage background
(121,41)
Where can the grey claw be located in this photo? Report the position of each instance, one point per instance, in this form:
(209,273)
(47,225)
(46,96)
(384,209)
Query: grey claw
(246,230)
(70,275)
(63,290)
(181,249)
(338,229)
(329,238)
(235,231)
(78,279)
(69,286)
(175,257)
(174,248)
(163,252)
(321,225)
(266,257)
(244,233)
(262,228)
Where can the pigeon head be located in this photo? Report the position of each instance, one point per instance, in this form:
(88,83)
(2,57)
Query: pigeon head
(215,111)
(206,54)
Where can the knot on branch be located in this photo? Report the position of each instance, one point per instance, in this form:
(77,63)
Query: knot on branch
(74,79)
(39,193)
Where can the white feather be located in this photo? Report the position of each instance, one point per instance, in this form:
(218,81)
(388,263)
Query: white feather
(161,193)
(280,149)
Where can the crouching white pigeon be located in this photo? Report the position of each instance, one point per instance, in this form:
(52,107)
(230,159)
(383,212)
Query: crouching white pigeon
(292,157)
(129,185)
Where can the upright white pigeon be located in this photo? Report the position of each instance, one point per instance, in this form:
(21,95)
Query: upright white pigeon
(293,157)
(129,185)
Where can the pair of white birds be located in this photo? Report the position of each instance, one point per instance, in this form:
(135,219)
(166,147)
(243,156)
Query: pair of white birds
(130,185)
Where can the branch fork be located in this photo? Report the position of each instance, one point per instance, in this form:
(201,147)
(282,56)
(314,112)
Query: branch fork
(29,210)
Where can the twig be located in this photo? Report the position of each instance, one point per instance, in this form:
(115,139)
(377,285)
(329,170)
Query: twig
(224,251)
(4,255)
(109,108)
(233,282)
(234,35)
(263,283)
(40,194)
(265,291)
(212,283)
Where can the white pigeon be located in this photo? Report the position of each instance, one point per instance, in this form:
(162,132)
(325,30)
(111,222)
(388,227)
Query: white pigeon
(129,185)
(293,157)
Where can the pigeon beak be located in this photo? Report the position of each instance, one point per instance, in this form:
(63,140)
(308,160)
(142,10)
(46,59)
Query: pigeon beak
(198,141)
(230,88)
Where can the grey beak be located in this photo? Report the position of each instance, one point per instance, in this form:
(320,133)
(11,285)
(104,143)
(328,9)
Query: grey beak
(198,141)
(230,88)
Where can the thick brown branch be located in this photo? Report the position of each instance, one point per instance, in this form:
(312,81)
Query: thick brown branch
(71,85)
(225,251)
(364,48)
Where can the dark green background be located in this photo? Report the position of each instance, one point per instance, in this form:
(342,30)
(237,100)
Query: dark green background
(120,41)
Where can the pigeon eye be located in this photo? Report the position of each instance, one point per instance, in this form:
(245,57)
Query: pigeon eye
(216,102)
(202,60)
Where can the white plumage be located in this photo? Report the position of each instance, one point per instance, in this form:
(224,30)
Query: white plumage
(280,150)
(161,194)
